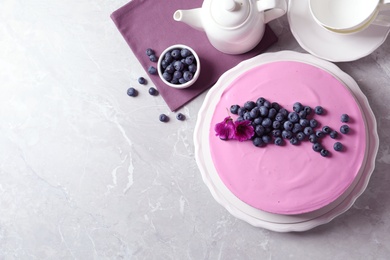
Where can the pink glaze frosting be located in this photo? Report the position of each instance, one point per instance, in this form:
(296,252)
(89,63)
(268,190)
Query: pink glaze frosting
(290,179)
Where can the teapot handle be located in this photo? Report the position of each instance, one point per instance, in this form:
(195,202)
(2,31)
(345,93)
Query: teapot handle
(272,9)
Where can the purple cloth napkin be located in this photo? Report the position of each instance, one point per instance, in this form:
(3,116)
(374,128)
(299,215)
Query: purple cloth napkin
(149,24)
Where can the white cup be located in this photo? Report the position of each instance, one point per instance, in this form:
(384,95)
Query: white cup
(349,16)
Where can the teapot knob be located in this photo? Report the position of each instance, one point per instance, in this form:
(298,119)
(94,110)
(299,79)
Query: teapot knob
(229,5)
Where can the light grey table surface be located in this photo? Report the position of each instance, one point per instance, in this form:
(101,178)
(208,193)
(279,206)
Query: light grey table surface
(87,172)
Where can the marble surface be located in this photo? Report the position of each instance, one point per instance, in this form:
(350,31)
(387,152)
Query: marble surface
(87,172)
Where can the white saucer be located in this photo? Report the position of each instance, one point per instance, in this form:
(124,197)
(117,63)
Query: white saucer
(256,217)
(329,45)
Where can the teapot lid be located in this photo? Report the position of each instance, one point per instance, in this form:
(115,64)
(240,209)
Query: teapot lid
(229,13)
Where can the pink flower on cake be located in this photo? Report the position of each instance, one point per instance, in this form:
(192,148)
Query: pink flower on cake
(226,129)
(243,130)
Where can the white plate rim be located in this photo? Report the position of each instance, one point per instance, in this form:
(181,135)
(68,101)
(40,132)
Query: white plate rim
(249,214)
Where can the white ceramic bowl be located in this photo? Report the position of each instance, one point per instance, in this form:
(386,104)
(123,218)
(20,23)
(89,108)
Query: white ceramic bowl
(161,70)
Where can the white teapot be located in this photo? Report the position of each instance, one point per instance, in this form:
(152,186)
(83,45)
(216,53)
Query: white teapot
(233,26)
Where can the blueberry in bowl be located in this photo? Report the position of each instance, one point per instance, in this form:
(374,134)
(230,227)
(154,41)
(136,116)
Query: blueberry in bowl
(178,66)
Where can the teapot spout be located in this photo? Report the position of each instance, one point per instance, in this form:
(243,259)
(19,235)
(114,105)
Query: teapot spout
(191,17)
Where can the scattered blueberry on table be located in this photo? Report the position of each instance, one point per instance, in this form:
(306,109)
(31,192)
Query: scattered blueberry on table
(153,91)
(164,118)
(132,92)
(142,80)
(180,117)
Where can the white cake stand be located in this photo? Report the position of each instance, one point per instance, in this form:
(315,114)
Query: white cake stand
(259,218)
